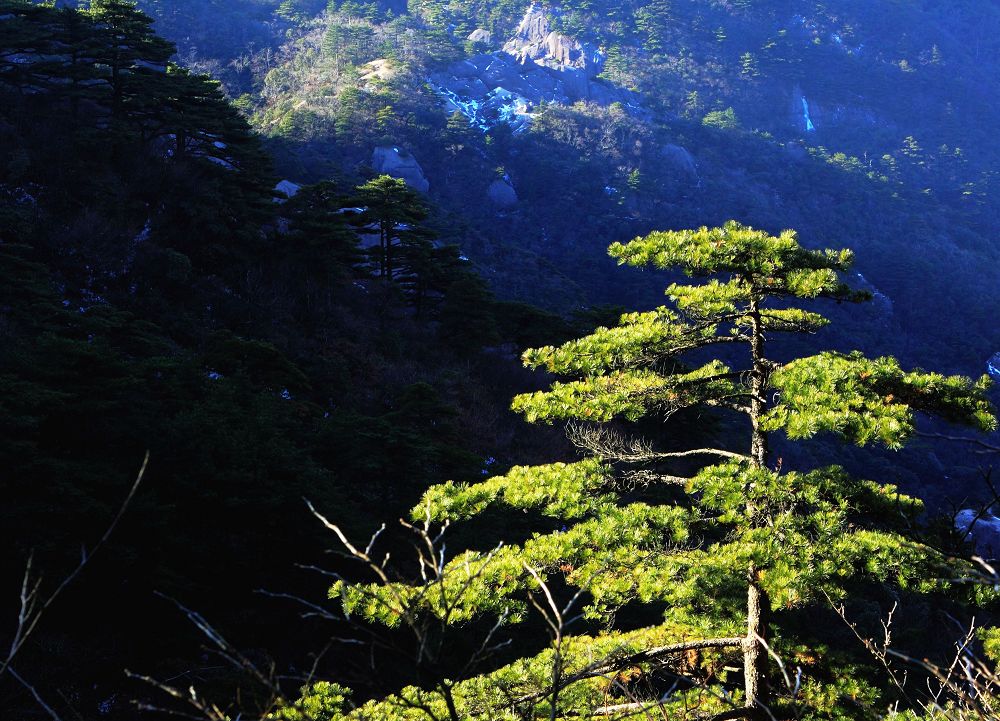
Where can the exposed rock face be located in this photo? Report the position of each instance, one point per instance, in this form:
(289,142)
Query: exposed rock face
(680,159)
(984,533)
(502,193)
(381,69)
(536,65)
(809,115)
(993,365)
(287,188)
(484,37)
(535,41)
(389,160)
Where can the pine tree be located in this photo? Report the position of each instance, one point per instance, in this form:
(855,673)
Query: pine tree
(132,51)
(392,210)
(727,553)
(749,69)
(653,20)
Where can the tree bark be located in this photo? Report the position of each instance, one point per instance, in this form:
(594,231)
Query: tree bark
(758,602)
(754,651)
(758,385)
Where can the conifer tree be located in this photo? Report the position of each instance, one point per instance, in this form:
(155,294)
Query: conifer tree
(132,51)
(726,552)
(392,210)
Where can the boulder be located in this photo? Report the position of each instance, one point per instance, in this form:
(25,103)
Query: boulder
(984,531)
(502,194)
(530,35)
(390,160)
(680,159)
(286,188)
(480,36)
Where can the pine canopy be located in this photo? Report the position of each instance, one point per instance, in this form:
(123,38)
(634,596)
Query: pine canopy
(722,555)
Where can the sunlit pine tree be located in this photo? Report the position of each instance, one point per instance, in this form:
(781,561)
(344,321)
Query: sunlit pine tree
(725,552)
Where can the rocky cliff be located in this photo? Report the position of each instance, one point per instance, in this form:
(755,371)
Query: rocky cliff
(536,65)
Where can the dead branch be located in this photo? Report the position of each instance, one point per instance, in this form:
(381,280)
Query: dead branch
(32,607)
(986,447)
(612,445)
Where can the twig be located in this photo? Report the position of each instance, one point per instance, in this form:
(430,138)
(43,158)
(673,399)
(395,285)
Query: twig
(34,692)
(988,447)
(31,610)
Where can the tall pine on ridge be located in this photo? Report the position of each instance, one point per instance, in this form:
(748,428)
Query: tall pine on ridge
(725,553)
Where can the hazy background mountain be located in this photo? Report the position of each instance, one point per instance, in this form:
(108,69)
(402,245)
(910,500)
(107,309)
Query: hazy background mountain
(863,124)
(544,131)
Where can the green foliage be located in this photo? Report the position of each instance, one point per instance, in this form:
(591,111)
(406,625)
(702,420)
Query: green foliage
(868,401)
(653,20)
(721,120)
(990,638)
(703,549)
(321,701)
(559,490)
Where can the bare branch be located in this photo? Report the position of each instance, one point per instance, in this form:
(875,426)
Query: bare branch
(612,445)
(987,447)
(315,609)
(31,610)
(34,692)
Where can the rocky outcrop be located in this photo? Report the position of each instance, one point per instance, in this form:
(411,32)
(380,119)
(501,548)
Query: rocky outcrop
(502,193)
(481,37)
(286,189)
(390,160)
(982,529)
(680,160)
(535,41)
(808,116)
(382,70)
(993,365)
(536,65)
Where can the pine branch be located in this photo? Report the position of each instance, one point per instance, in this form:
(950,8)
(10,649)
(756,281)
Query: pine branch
(611,663)
(630,709)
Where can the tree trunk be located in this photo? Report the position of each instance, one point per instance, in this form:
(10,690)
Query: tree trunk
(758,602)
(754,651)
(758,386)
(383,246)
